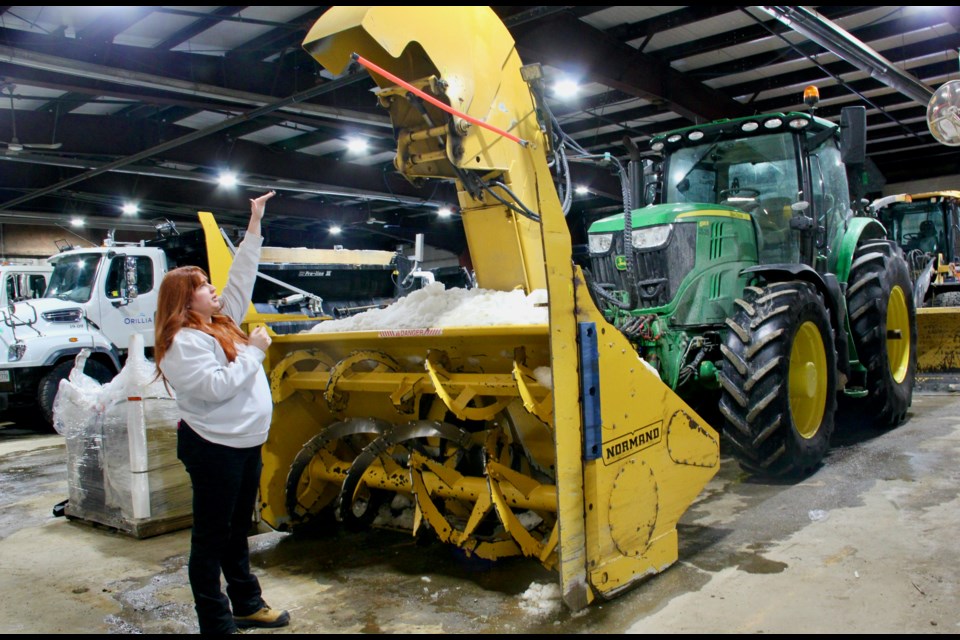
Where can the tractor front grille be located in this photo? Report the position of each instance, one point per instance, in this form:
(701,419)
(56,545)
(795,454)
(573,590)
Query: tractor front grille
(658,271)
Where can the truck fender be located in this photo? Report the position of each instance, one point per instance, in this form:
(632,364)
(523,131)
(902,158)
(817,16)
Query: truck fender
(829,286)
(72,352)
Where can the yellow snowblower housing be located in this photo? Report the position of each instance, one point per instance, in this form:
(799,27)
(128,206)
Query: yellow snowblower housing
(548,438)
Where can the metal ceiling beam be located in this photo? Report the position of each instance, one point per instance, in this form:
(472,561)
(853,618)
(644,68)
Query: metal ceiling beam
(197,27)
(45,219)
(123,77)
(126,137)
(154,101)
(291,186)
(603,59)
(831,37)
(190,137)
(682,17)
(741,35)
(111,23)
(791,52)
(297,221)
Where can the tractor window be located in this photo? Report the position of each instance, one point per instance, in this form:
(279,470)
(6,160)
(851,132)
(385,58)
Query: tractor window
(920,227)
(741,172)
(831,194)
(756,174)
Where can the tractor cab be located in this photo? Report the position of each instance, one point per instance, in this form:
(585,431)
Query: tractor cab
(783,170)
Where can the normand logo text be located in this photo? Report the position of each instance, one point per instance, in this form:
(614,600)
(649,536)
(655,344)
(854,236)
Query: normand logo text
(633,442)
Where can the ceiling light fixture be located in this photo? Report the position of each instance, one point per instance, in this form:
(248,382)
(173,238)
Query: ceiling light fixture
(130,209)
(335,230)
(357,145)
(566,89)
(76,221)
(227,179)
(444,212)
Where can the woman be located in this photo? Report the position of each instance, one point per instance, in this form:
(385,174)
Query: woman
(216,372)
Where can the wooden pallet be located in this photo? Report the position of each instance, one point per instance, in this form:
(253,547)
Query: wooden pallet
(142,528)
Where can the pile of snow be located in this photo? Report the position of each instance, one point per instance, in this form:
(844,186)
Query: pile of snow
(433,307)
(544,375)
(398,514)
(541,600)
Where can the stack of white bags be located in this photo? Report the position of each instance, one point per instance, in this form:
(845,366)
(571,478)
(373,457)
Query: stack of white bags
(122,466)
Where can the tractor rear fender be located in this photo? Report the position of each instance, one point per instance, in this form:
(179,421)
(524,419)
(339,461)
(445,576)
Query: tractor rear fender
(833,297)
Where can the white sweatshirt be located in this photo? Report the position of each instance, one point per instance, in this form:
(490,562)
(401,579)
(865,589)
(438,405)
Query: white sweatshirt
(227,403)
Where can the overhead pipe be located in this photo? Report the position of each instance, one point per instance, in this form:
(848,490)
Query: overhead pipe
(831,37)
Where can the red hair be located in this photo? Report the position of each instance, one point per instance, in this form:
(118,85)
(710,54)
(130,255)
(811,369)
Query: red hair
(173,314)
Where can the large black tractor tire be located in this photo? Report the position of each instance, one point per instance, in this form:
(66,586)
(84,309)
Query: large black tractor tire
(778,380)
(50,383)
(883,327)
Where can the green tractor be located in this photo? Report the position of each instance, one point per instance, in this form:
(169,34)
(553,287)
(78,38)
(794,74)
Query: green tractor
(754,287)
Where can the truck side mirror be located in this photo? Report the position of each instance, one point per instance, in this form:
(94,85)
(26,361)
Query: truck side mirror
(130,276)
(21,289)
(126,285)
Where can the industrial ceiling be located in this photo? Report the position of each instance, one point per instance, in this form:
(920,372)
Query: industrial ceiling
(148,104)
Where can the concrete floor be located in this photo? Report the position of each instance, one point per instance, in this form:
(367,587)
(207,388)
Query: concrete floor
(868,544)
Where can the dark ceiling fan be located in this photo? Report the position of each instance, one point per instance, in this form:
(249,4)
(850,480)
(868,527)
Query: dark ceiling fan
(14,145)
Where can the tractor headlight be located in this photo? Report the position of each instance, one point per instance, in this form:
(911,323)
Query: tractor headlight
(649,237)
(600,242)
(15,351)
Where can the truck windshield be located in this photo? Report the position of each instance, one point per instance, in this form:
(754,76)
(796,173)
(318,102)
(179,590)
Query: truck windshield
(73,276)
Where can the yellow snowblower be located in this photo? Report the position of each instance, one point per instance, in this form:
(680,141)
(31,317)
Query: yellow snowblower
(551,438)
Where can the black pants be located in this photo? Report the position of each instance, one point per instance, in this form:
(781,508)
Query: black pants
(225,482)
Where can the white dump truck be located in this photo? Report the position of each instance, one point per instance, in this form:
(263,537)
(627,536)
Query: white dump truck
(98,297)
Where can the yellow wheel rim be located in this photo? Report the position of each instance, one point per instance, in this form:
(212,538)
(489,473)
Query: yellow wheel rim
(808,380)
(898,335)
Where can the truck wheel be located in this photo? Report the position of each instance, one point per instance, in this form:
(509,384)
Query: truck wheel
(883,326)
(50,383)
(778,380)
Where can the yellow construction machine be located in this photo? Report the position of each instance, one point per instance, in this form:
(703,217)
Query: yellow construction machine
(551,440)
(927,227)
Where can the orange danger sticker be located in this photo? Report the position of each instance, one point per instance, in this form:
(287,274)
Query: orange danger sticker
(404,333)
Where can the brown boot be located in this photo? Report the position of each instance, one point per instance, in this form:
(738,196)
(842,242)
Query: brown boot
(265,618)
